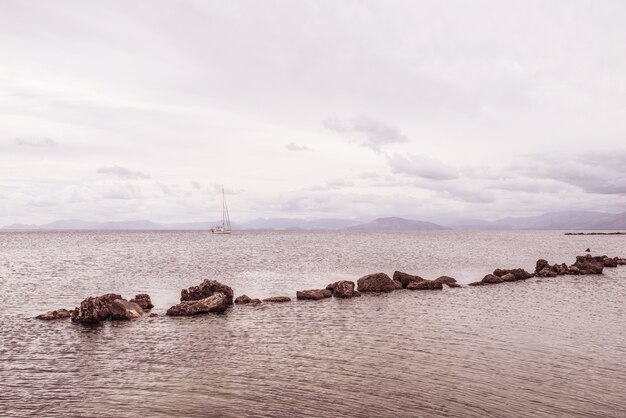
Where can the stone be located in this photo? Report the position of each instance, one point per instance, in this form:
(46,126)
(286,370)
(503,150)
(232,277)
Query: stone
(377,282)
(243,299)
(121,309)
(405,278)
(425,285)
(153,315)
(57,314)
(588,265)
(509,277)
(453,285)
(94,309)
(313,294)
(520,274)
(205,289)
(143,300)
(445,280)
(546,272)
(277,299)
(477,284)
(492,279)
(255,302)
(216,303)
(588,250)
(344,289)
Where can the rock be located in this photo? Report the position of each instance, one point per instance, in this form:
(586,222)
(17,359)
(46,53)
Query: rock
(621,261)
(143,300)
(94,309)
(205,289)
(541,265)
(377,282)
(277,299)
(520,274)
(588,250)
(445,280)
(588,265)
(313,294)
(492,279)
(546,272)
(243,299)
(405,278)
(58,314)
(216,303)
(343,289)
(121,309)
(331,286)
(509,277)
(425,285)
(453,285)
(477,284)
(255,302)
(607,261)
(153,315)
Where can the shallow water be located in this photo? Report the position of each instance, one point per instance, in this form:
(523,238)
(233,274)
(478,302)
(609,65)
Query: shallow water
(549,347)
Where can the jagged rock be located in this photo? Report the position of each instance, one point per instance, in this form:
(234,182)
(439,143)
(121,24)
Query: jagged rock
(588,265)
(277,299)
(425,285)
(243,299)
(492,279)
(94,309)
(520,274)
(216,303)
(121,309)
(405,278)
(546,272)
(143,300)
(588,250)
(313,294)
(607,261)
(205,289)
(509,277)
(377,282)
(343,289)
(445,280)
(58,314)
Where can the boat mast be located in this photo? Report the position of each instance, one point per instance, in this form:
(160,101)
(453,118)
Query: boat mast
(225,217)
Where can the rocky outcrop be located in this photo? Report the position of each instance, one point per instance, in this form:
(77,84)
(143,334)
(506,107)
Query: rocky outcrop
(313,294)
(123,310)
(425,285)
(94,309)
(405,278)
(445,280)
(255,302)
(58,314)
(143,300)
(277,299)
(343,289)
(243,299)
(216,303)
(586,264)
(205,289)
(509,277)
(377,282)
(520,274)
(453,285)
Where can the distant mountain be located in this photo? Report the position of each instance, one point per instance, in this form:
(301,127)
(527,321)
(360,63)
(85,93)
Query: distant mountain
(77,224)
(396,224)
(564,220)
(21,227)
(289,223)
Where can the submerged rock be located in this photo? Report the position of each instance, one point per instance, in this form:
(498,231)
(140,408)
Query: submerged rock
(405,278)
(143,300)
(377,282)
(216,303)
(425,285)
(520,274)
(205,289)
(243,299)
(94,309)
(57,314)
(121,309)
(445,280)
(453,285)
(343,289)
(492,279)
(313,294)
(277,299)
(255,302)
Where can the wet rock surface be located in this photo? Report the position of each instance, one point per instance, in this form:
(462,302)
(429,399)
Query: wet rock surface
(313,294)
(94,309)
(216,303)
(243,299)
(277,299)
(445,280)
(123,310)
(343,289)
(57,314)
(425,285)
(377,282)
(205,289)
(143,300)
(405,278)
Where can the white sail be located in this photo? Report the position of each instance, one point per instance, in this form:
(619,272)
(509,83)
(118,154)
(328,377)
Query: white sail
(224,228)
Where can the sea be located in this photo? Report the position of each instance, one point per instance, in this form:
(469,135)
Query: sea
(549,347)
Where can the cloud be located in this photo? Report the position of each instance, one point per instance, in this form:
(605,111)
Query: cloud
(292,146)
(122,172)
(422,166)
(369,132)
(36,142)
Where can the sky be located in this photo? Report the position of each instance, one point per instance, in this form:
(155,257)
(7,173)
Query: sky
(430,110)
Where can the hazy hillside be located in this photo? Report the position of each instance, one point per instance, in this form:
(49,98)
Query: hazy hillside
(396,224)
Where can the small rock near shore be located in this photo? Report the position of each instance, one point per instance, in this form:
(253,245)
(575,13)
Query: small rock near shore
(143,300)
(243,299)
(57,314)
(425,285)
(377,282)
(445,280)
(277,299)
(124,310)
(216,303)
(313,294)
(343,289)
(205,289)
(405,278)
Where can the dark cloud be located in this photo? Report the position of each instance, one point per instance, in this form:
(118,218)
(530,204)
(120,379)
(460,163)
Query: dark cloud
(122,172)
(36,142)
(369,132)
(295,147)
(422,166)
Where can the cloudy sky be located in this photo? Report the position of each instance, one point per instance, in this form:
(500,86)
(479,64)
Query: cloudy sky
(432,110)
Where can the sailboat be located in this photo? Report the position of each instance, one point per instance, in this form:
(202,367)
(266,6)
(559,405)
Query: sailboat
(224,228)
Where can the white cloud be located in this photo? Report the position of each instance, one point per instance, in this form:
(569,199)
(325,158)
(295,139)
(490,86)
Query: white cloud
(122,172)
(423,166)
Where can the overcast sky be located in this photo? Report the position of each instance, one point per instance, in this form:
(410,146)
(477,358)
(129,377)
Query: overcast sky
(432,110)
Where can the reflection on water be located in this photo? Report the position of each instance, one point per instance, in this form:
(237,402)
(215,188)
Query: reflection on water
(549,347)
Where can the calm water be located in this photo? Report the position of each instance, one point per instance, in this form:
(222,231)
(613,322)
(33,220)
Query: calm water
(549,347)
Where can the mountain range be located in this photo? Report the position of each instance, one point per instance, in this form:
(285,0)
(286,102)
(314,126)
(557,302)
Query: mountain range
(565,220)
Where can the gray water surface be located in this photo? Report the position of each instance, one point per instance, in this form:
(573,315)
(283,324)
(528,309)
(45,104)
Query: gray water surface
(549,347)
